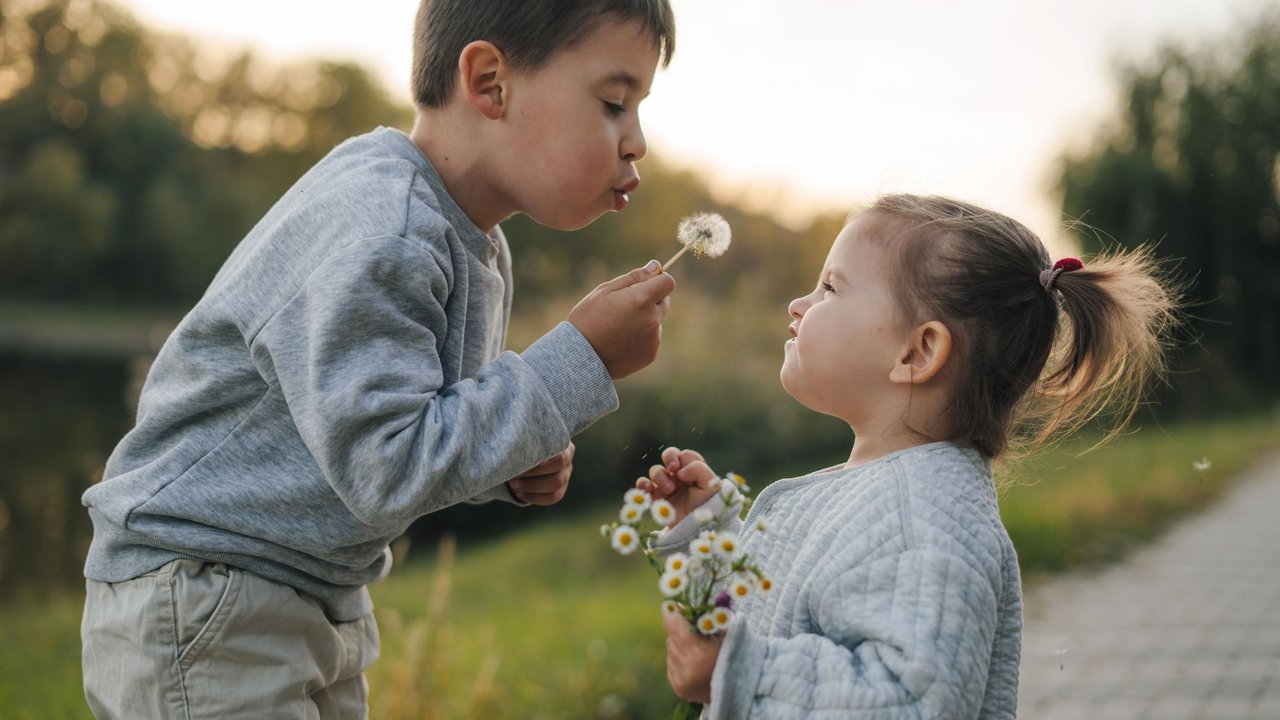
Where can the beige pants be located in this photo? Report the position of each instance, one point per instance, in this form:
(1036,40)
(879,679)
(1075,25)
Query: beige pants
(196,640)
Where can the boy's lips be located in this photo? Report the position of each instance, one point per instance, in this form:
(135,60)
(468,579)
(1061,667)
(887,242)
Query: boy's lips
(620,198)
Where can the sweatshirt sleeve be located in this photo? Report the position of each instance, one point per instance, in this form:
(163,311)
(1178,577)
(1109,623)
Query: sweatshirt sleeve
(355,353)
(906,636)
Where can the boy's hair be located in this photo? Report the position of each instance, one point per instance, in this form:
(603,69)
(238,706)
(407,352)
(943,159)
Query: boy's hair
(1053,359)
(528,32)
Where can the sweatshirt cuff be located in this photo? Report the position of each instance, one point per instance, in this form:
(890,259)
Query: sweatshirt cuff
(737,673)
(497,492)
(574,375)
(682,533)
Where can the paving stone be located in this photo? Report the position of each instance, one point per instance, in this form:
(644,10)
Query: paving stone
(1186,628)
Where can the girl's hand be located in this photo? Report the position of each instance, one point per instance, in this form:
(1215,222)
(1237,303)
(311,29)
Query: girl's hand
(691,658)
(684,480)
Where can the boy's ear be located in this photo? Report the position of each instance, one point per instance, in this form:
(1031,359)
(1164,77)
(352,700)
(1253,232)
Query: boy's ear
(482,70)
(924,356)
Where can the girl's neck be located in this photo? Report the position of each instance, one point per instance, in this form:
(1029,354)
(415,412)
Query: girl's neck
(873,446)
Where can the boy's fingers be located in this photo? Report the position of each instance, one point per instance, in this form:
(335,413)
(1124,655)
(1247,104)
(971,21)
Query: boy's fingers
(653,290)
(638,275)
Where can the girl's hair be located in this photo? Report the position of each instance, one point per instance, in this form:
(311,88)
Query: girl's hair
(529,32)
(1029,358)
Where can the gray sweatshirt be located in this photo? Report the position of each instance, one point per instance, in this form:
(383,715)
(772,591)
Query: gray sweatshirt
(896,595)
(343,375)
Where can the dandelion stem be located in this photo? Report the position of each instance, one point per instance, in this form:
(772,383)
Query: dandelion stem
(669,263)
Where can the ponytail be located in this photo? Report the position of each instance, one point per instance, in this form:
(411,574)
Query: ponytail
(1115,317)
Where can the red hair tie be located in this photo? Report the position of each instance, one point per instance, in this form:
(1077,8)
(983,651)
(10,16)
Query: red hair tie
(1050,276)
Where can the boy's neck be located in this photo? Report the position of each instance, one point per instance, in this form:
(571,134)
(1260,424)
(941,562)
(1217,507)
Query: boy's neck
(458,159)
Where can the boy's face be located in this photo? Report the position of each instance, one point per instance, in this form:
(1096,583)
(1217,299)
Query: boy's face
(846,333)
(574,135)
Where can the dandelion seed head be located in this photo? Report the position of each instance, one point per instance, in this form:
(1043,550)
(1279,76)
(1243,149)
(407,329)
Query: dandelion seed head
(705,234)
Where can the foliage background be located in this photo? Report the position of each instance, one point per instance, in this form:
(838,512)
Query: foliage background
(132,162)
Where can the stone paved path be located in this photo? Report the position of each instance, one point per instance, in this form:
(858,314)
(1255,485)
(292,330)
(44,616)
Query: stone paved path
(1187,628)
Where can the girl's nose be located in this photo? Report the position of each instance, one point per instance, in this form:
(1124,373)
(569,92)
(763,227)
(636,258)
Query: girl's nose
(798,306)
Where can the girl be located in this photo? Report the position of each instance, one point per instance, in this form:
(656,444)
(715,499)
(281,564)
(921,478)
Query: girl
(936,329)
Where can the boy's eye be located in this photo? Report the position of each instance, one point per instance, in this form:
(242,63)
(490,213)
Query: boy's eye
(613,108)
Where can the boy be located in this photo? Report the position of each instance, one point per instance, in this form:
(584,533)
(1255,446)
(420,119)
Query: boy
(344,372)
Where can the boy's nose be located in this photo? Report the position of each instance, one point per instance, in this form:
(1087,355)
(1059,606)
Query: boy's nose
(634,147)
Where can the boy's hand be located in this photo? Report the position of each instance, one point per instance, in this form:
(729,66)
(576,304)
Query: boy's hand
(684,480)
(691,658)
(622,318)
(546,482)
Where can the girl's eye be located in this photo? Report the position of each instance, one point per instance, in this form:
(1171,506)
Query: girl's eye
(613,108)
(827,286)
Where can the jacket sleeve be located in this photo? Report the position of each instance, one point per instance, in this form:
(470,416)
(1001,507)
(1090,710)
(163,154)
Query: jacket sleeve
(906,636)
(356,355)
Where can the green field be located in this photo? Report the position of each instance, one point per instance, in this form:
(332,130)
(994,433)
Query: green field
(549,623)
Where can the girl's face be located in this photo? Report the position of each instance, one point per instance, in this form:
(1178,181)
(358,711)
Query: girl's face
(846,334)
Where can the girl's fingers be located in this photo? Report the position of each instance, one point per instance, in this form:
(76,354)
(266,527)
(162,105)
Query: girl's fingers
(698,473)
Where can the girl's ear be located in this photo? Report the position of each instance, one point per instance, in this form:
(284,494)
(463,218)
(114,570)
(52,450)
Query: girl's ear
(483,71)
(926,353)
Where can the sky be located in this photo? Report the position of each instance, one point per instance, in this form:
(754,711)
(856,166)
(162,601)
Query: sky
(803,106)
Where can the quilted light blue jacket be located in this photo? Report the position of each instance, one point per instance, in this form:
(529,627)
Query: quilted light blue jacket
(897,595)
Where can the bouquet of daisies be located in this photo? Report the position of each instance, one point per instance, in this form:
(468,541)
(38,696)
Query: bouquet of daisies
(711,577)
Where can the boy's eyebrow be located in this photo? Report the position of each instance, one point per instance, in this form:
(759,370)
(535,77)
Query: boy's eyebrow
(622,77)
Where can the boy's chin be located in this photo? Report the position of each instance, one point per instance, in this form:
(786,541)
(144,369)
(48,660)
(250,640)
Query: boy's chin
(566,224)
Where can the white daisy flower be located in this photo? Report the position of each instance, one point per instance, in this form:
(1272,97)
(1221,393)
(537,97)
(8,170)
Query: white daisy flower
(701,547)
(631,514)
(669,606)
(726,544)
(677,562)
(663,512)
(739,589)
(765,584)
(740,482)
(637,497)
(695,566)
(761,526)
(604,531)
(721,617)
(729,493)
(673,583)
(707,624)
(702,516)
(625,540)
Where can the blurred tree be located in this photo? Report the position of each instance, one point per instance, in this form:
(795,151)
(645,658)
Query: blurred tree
(131,163)
(1192,163)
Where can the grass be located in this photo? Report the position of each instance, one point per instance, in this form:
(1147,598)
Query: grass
(549,623)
